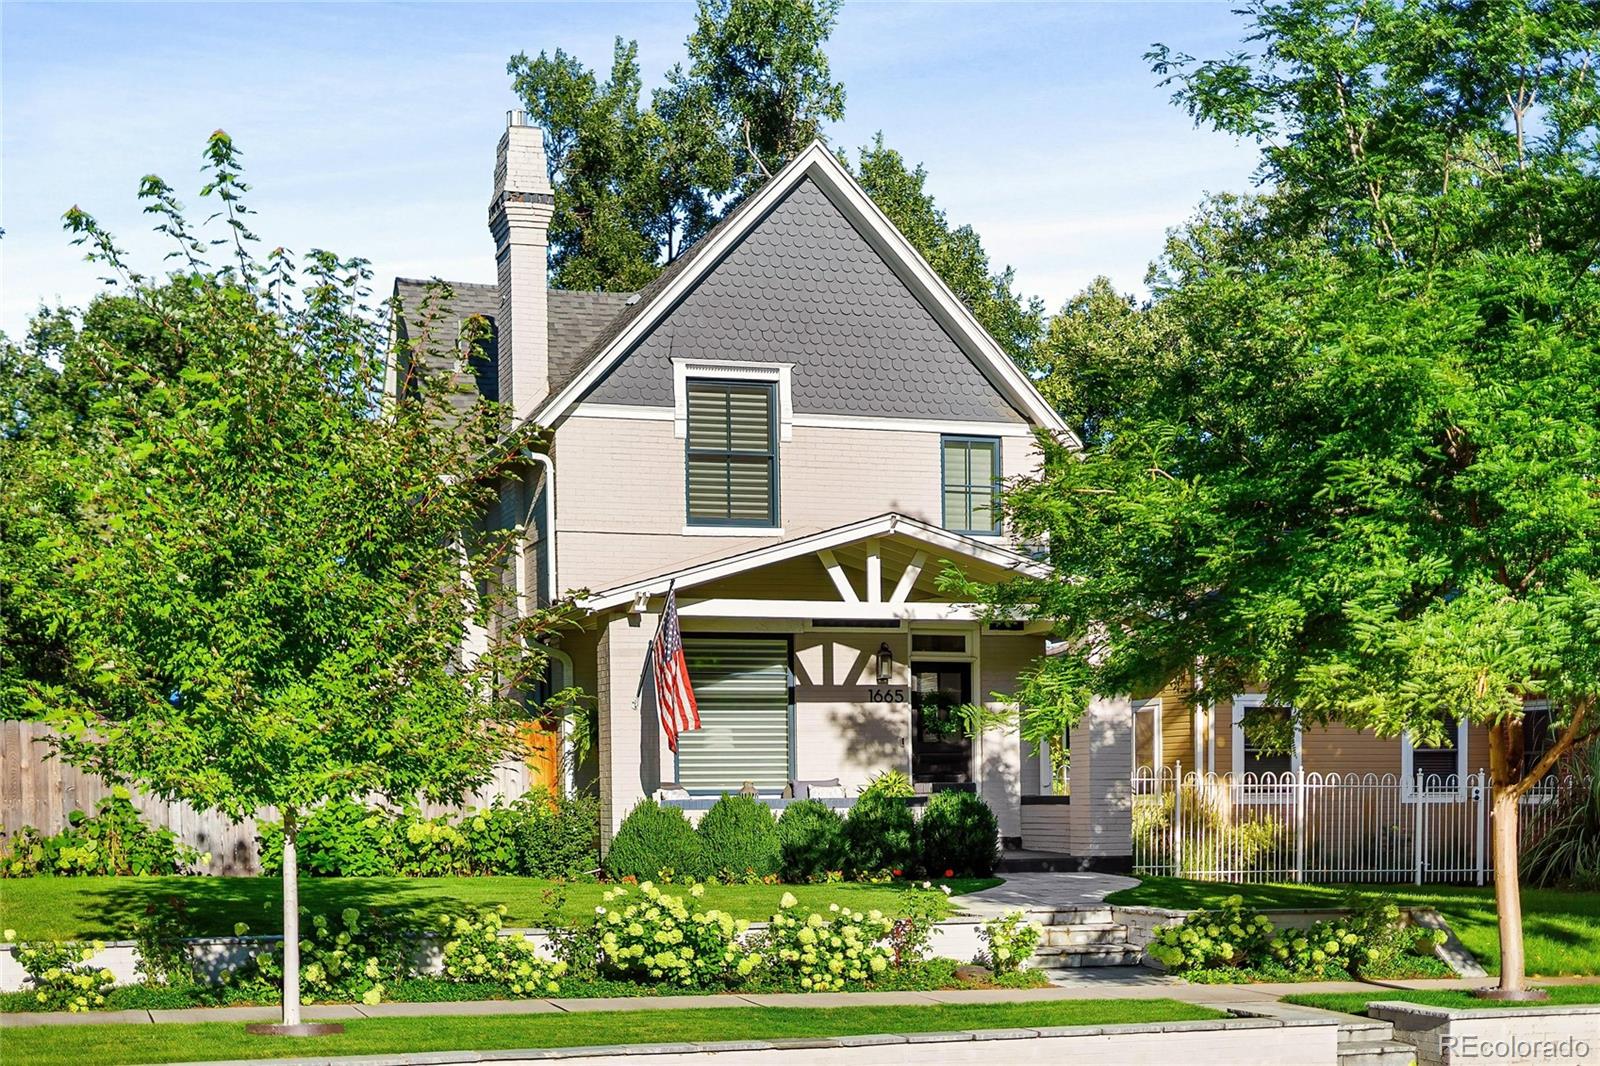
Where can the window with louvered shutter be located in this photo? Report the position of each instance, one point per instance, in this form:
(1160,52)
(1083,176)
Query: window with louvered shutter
(971,475)
(742,689)
(732,456)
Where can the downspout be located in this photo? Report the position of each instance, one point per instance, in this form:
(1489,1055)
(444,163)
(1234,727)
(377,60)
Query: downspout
(549,481)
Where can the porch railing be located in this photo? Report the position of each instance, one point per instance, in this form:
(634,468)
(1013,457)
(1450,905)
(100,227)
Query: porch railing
(1325,827)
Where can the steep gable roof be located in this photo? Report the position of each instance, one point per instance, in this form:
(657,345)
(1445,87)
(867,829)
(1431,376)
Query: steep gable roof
(817,165)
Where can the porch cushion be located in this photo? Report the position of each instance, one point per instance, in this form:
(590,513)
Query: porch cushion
(819,789)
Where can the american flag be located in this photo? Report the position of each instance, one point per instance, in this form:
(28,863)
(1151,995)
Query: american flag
(674,693)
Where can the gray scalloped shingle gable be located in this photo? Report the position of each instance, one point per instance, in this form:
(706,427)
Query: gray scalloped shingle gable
(804,287)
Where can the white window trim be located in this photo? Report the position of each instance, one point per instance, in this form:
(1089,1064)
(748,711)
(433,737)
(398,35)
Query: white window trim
(683,370)
(1408,777)
(1151,707)
(1241,704)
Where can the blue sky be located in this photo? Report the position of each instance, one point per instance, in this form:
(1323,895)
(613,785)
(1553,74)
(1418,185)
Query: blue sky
(370,128)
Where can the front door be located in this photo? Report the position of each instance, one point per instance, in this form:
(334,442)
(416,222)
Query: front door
(941,751)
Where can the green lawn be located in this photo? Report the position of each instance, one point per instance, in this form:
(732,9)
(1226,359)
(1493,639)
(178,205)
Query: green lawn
(86,908)
(1356,1002)
(108,1044)
(1561,928)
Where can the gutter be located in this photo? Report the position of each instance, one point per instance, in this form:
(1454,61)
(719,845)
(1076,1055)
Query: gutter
(549,480)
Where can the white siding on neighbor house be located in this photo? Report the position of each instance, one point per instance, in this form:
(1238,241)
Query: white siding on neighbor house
(620,492)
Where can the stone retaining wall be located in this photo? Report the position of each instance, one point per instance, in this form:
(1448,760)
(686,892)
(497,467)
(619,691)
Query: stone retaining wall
(1506,1036)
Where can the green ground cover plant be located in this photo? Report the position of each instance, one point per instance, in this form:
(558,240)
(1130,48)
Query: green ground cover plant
(116,1044)
(108,908)
(1356,1002)
(115,839)
(1561,927)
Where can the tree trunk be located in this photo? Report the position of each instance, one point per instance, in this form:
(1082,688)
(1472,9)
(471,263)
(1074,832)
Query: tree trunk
(1505,758)
(291,921)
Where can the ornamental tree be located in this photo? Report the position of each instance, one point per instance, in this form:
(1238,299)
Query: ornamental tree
(1354,460)
(236,573)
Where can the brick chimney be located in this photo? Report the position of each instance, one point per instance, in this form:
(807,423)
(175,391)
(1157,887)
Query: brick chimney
(519,219)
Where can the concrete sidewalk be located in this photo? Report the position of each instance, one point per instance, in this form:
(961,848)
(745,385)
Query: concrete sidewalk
(1248,998)
(1042,890)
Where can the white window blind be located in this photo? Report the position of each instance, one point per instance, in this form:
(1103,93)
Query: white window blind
(742,688)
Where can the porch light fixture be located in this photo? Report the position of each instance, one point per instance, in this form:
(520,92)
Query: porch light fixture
(885,664)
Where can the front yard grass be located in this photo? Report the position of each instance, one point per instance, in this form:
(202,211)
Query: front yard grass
(110,1044)
(105,908)
(1561,928)
(1356,1002)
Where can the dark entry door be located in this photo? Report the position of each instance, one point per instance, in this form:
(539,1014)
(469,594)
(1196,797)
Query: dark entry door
(941,753)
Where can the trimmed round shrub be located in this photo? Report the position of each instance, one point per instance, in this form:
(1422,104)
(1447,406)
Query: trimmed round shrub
(562,836)
(739,838)
(959,834)
(653,838)
(811,841)
(881,835)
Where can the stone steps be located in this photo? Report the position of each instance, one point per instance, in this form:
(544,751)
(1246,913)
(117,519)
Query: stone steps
(1363,1042)
(1078,956)
(1084,934)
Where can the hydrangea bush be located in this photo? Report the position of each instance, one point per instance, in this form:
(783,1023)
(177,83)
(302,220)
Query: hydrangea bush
(1009,940)
(827,952)
(61,980)
(1231,935)
(476,952)
(653,936)
(350,958)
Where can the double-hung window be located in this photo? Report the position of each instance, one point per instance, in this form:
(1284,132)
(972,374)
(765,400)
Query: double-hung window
(732,456)
(1438,771)
(971,484)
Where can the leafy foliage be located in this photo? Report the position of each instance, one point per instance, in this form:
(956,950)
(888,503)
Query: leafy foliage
(59,976)
(810,841)
(536,835)
(740,839)
(656,936)
(113,840)
(880,835)
(960,835)
(1568,850)
(1359,469)
(653,838)
(1008,941)
(635,182)
(1230,935)
(477,952)
(892,783)
(348,957)
(825,953)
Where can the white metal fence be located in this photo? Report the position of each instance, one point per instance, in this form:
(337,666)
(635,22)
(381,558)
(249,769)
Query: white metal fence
(1324,827)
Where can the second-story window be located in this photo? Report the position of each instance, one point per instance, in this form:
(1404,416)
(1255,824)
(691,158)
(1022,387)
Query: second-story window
(732,458)
(971,484)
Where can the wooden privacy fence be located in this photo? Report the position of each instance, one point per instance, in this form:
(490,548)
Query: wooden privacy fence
(40,790)
(1325,827)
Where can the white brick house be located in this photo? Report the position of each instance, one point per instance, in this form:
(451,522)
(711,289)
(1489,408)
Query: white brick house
(799,426)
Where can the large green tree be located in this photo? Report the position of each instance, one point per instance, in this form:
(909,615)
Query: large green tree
(1363,472)
(636,182)
(237,573)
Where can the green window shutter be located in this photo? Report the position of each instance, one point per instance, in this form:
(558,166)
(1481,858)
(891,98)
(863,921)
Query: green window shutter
(742,689)
(971,484)
(732,457)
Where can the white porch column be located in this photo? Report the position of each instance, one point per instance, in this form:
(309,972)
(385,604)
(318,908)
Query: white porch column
(630,764)
(1100,819)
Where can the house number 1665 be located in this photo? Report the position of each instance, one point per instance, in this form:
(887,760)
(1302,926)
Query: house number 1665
(886,695)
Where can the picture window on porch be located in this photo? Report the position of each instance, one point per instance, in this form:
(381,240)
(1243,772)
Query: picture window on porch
(971,484)
(742,687)
(732,454)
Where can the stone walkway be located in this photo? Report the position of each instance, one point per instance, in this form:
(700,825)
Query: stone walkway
(1043,890)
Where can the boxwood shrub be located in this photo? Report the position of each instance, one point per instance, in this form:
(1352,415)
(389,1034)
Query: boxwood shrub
(810,841)
(740,839)
(960,835)
(881,836)
(653,838)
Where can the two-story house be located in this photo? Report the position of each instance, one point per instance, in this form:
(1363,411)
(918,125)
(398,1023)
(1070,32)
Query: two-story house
(798,427)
